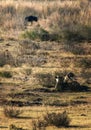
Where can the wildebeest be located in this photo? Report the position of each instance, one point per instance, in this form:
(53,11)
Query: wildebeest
(31,19)
(70,76)
(69,83)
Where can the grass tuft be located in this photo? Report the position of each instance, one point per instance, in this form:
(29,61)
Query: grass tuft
(11,112)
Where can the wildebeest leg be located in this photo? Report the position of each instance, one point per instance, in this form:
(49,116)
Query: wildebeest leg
(31,23)
(56,85)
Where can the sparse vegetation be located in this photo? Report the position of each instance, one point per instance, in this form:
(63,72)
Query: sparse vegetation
(55,119)
(32,55)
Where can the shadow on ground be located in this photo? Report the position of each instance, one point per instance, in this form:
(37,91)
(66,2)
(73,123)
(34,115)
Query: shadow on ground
(3,127)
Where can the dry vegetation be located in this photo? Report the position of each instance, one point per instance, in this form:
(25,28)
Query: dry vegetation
(69,20)
(58,43)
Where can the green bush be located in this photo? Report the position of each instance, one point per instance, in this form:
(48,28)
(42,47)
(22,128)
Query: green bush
(5,74)
(38,33)
(31,35)
(79,33)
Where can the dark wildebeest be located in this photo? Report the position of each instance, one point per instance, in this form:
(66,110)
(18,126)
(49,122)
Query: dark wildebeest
(69,83)
(31,19)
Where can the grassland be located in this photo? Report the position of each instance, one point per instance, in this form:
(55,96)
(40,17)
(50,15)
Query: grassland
(60,42)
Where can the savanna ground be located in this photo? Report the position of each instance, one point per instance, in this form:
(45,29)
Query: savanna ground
(58,43)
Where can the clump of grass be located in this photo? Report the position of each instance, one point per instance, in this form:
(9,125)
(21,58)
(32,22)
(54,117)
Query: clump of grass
(31,35)
(13,127)
(11,112)
(55,119)
(6,74)
(28,71)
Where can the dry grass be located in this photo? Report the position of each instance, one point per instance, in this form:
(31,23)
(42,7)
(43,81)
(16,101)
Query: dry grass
(38,62)
(65,15)
(80,117)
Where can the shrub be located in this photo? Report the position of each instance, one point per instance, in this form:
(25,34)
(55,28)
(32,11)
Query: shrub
(38,33)
(12,112)
(55,119)
(42,34)
(31,35)
(5,74)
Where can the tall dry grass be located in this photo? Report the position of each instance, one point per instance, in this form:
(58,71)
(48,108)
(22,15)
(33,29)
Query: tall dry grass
(54,16)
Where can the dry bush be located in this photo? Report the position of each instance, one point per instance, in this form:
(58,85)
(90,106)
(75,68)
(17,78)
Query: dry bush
(55,119)
(11,112)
